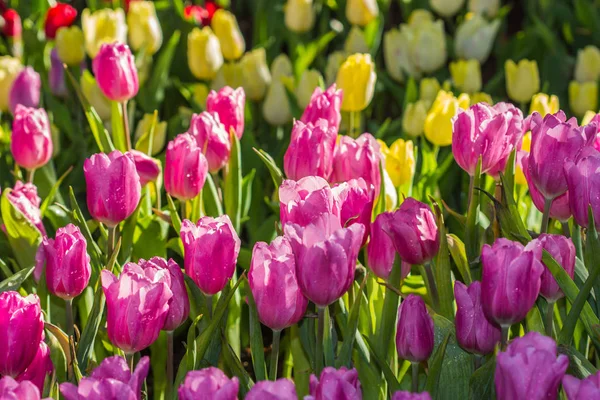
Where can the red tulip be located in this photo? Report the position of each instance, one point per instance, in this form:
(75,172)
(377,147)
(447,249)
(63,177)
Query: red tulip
(59,16)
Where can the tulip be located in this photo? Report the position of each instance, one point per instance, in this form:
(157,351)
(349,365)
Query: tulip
(93,94)
(112,379)
(587,67)
(208,383)
(544,104)
(58,16)
(25,199)
(144,288)
(583,97)
(324,105)
(56,76)
(12,27)
(22,327)
(256,74)
(380,250)
(361,12)
(414,335)
(311,150)
(272,279)
(394,54)
(400,395)
(334,62)
(225,26)
(31,141)
(229,105)
(473,331)
(583,180)
(399,161)
(281,389)
(563,251)
(355,201)
(488,8)
(144,27)
(357,158)
(211,136)
(13,390)
(438,123)
(466,75)
(103,26)
(211,249)
(231,74)
(481,97)
(475,38)
(356,77)
(115,71)
(40,367)
(142,135)
(147,167)
(200,15)
(309,82)
(428,91)
(341,384)
(447,8)
(529,369)
(356,41)
(326,255)
(185,168)
(204,53)
(276,107)
(425,44)
(305,201)
(413,118)
(522,80)
(25,90)
(588,388)
(10,68)
(299,15)
(69,45)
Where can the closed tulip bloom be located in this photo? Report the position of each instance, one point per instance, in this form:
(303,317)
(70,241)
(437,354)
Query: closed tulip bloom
(204,53)
(147,167)
(299,15)
(208,383)
(225,26)
(228,104)
(324,105)
(56,76)
(103,26)
(428,91)
(326,255)
(466,75)
(112,379)
(231,74)
(587,67)
(395,54)
(212,138)
(529,369)
(281,389)
(562,250)
(58,16)
(12,27)
(144,27)
(438,123)
(115,71)
(544,104)
(584,389)
(475,38)
(309,81)
(357,158)
(25,90)
(211,250)
(304,201)
(522,80)
(39,369)
(276,106)
(361,12)
(256,74)
(311,150)
(356,41)
(399,161)
(24,198)
(142,135)
(272,279)
(425,45)
(446,8)
(402,395)
(185,167)
(583,179)
(413,118)
(334,62)
(10,68)
(355,201)
(380,250)
(414,335)
(13,390)
(69,45)
(339,384)
(31,139)
(488,8)
(356,77)
(93,94)
(22,327)
(583,97)
(481,97)
(473,331)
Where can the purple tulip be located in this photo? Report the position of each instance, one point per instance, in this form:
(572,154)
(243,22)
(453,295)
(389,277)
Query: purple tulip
(583,177)
(111,380)
(338,384)
(212,138)
(311,150)
(414,335)
(380,250)
(31,139)
(585,389)
(67,263)
(147,167)
(211,250)
(229,104)
(147,292)
(306,200)
(24,198)
(400,395)
(529,369)
(355,201)
(275,289)
(324,105)
(185,168)
(40,367)
(357,158)
(13,390)
(115,71)
(56,76)
(25,90)
(281,389)
(208,384)
(563,251)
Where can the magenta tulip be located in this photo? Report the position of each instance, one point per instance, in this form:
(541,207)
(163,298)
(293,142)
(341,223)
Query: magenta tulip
(563,251)
(24,198)
(529,369)
(275,289)
(380,250)
(67,263)
(355,201)
(414,335)
(25,90)
(208,384)
(21,331)
(338,384)
(357,158)
(281,389)
(115,71)
(303,202)
(583,178)
(39,369)
(111,380)
(211,250)
(311,149)
(400,395)
(185,168)
(56,76)
(147,167)
(31,139)
(137,304)
(113,186)
(212,138)
(229,104)
(324,105)
(13,390)
(584,389)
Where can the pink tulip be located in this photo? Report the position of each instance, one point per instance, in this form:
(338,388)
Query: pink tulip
(324,105)
(147,167)
(304,201)
(21,331)
(311,149)
(67,263)
(357,158)
(355,200)
(208,383)
(113,186)
(212,138)
(583,179)
(115,71)
(40,367)
(24,198)
(13,390)
(31,139)
(584,389)
(281,389)
(185,168)
(25,90)
(414,335)
(340,384)
(381,251)
(596,140)
(229,105)
(211,250)
(145,291)
(400,395)
(275,289)
(563,251)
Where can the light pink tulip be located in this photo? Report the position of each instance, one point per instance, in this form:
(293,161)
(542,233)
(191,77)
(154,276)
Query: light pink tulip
(212,138)
(31,139)
(25,199)
(357,158)
(115,71)
(229,104)
(302,202)
(311,149)
(325,105)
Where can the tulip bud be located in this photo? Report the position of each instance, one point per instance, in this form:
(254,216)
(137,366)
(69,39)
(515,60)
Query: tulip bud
(299,15)
(24,198)
(31,141)
(399,161)
(481,97)
(231,74)
(528,359)
(311,150)
(414,335)
(115,71)
(343,382)
(204,53)
(475,38)
(522,80)
(147,167)
(185,168)
(422,46)
(588,388)
(103,26)
(256,74)
(583,97)
(275,289)
(466,75)
(93,94)
(447,8)
(212,138)
(357,158)
(325,105)
(356,42)
(208,383)
(142,135)
(276,107)
(361,12)
(225,26)
(413,118)
(229,105)
(281,389)
(305,201)
(438,123)
(544,104)
(488,8)
(394,54)
(69,45)
(380,250)
(356,77)
(112,378)
(11,389)
(144,27)
(587,67)
(39,369)
(583,178)
(211,250)
(10,68)
(60,15)
(113,186)
(355,201)
(334,62)
(25,90)
(309,81)
(400,395)
(563,251)
(12,27)
(428,91)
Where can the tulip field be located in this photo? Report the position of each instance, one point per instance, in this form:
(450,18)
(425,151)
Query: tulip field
(299,199)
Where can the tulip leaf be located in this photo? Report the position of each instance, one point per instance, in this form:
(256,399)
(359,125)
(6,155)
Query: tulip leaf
(175,219)
(308,53)
(247,193)
(390,377)
(78,219)
(210,197)
(387,320)
(302,365)
(118,129)
(472,244)
(351,328)
(235,366)
(233,183)
(197,298)
(50,198)
(58,357)
(457,251)
(90,331)
(62,339)
(328,340)
(256,340)
(15,281)
(380,204)
(579,365)
(274,170)
(481,383)
(128,232)
(191,343)
(442,269)
(533,320)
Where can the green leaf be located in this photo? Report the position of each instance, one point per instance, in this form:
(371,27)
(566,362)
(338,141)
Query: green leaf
(197,298)
(127,234)
(235,366)
(579,365)
(15,281)
(390,377)
(381,200)
(534,320)
(247,193)
(387,320)
(233,183)
(175,220)
(79,220)
(457,251)
(345,354)
(274,170)
(442,269)
(50,198)
(118,130)
(88,336)
(308,53)
(23,237)
(481,384)
(210,196)
(435,367)
(256,341)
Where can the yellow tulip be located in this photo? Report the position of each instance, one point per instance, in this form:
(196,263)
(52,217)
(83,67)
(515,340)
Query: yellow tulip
(587,118)
(544,104)
(256,74)
(420,16)
(587,67)
(399,161)
(391,195)
(142,135)
(446,8)
(428,90)
(309,80)
(276,107)
(438,124)
(522,80)
(230,74)
(93,94)
(69,45)
(334,62)
(144,27)
(466,75)
(103,26)
(525,146)
(204,53)
(356,77)
(299,15)
(475,38)
(413,118)
(225,26)
(10,67)
(200,93)
(361,12)
(485,7)
(583,97)
(481,97)
(356,41)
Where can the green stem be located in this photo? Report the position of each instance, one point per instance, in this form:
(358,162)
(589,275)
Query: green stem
(549,318)
(415,377)
(110,241)
(126,125)
(169,391)
(130,358)
(30,175)
(566,230)
(435,298)
(209,306)
(471,236)
(183,205)
(69,316)
(390,309)
(351,129)
(504,341)
(319,344)
(274,355)
(546,216)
